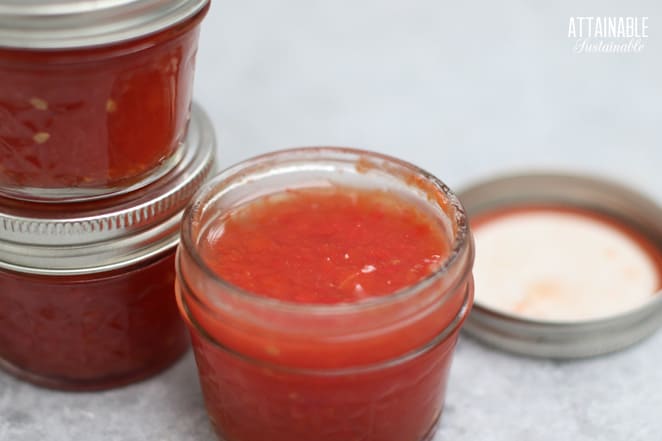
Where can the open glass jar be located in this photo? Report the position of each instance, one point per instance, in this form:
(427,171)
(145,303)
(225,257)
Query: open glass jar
(375,369)
(87,291)
(94,96)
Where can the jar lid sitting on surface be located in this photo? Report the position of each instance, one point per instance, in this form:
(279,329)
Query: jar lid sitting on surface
(104,235)
(45,24)
(567,266)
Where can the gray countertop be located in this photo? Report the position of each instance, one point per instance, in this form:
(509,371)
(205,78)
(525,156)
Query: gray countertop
(492,396)
(466,90)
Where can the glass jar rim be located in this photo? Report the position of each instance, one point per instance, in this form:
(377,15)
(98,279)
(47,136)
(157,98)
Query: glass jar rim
(442,336)
(461,246)
(103,235)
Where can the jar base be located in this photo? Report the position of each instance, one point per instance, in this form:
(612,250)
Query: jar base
(429,436)
(433,429)
(71,385)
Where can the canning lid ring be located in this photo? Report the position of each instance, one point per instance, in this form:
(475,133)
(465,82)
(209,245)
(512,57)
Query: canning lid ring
(437,340)
(69,24)
(566,339)
(105,235)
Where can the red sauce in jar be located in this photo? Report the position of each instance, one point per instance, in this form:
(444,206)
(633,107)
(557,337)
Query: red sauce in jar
(90,331)
(96,118)
(87,289)
(325,246)
(281,378)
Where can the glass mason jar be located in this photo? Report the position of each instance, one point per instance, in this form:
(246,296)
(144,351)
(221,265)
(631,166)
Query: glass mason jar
(93,331)
(373,370)
(87,290)
(95,97)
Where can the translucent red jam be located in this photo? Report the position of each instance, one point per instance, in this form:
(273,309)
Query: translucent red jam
(90,332)
(321,313)
(95,119)
(253,402)
(325,245)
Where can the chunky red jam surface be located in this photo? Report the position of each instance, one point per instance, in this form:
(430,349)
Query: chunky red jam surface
(90,332)
(375,375)
(95,118)
(325,245)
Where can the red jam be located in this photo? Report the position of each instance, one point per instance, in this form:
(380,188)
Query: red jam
(90,331)
(325,246)
(87,289)
(94,119)
(371,365)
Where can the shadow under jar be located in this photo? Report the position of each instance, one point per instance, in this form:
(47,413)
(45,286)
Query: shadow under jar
(87,290)
(370,369)
(94,96)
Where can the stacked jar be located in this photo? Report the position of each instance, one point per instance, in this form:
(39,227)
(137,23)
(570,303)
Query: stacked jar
(101,149)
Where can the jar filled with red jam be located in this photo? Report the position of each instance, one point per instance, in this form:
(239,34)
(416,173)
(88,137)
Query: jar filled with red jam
(87,289)
(324,290)
(95,97)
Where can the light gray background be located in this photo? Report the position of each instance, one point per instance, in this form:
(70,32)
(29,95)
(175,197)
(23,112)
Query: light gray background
(464,89)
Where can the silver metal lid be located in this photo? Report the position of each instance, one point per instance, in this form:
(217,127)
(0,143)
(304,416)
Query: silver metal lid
(49,24)
(572,339)
(82,238)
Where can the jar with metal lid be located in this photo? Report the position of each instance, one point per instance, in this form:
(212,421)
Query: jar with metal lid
(87,290)
(94,96)
(372,368)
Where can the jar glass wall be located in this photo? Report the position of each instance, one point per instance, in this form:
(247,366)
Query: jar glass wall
(84,123)
(87,289)
(373,370)
(91,331)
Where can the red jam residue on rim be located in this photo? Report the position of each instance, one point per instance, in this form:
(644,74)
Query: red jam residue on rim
(542,289)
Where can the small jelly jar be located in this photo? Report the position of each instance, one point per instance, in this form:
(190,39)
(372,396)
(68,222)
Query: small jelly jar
(371,370)
(95,97)
(87,290)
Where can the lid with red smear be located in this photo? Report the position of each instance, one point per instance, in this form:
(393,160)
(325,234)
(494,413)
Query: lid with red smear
(566,266)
